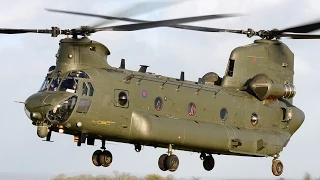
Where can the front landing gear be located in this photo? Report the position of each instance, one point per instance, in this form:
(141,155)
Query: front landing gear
(102,158)
(277,167)
(168,161)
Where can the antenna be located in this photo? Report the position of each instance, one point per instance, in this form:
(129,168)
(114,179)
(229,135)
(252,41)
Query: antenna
(143,68)
(123,64)
(182,76)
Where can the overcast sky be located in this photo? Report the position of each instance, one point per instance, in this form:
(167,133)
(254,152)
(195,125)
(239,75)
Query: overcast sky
(25,59)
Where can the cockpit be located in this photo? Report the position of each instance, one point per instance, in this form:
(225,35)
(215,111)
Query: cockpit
(76,82)
(66,84)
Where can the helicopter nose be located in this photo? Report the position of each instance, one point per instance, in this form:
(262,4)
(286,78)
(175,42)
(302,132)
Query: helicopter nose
(38,104)
(33,106)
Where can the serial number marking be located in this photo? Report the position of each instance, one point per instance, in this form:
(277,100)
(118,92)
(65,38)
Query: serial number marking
(99,122)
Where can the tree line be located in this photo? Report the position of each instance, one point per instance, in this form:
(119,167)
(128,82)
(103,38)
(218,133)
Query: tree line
(127,176)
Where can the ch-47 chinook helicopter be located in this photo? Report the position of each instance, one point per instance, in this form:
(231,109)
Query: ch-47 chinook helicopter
(247,112)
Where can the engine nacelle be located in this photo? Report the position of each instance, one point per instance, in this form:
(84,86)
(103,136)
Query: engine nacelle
(264,88)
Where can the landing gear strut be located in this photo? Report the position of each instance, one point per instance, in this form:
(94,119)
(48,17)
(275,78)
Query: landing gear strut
(208,161)
(102,158)
(137,147)
(277,166)
(168,161)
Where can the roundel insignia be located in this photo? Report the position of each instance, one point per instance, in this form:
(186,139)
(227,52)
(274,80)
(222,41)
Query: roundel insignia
(144,93)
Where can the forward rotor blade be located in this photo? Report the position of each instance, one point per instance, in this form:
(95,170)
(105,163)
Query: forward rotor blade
(306,28)
(94,15)
(20,31)
(187,27)
(153,24)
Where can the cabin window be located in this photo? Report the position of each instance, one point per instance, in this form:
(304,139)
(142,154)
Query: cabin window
(158,103)
(230,68)
(84,105)
(284,112)
(84,89)
(191,109)
(223,114)
(122,98)
(254,119)
(91,89)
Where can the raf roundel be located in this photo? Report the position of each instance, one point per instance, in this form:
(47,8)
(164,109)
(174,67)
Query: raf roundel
(144,93)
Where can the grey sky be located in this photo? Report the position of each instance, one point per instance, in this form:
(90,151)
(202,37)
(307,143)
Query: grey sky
(24,60)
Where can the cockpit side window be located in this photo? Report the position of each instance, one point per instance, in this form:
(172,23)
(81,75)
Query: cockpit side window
(69,85)
(91,89)
(230,68)
(84,89)
(54,84)
(84,106)
(45,84)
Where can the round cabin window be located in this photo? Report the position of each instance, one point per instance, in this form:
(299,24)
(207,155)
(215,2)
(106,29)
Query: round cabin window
(254,119)
(122,98)
(223,114)
(191,109)
(158,103)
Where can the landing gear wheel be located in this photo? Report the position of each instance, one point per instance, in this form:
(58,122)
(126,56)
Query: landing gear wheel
(96,157)
(162,162)
(172,162)
(105,158)
(208,163)
(277,167)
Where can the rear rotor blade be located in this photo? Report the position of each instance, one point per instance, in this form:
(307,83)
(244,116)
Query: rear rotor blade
(306,28)
(301,36)
(139,8)
(153,24)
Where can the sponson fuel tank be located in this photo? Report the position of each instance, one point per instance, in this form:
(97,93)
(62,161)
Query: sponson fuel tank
(214,137)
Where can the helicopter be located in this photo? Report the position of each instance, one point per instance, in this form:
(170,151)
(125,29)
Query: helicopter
(247,112)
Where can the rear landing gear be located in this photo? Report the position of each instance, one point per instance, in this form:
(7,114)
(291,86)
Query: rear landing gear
(168,161)
(102,158)
(208,161)
(277,167)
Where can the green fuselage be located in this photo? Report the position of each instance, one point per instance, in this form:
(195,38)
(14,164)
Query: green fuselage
(203,127)
(120,105)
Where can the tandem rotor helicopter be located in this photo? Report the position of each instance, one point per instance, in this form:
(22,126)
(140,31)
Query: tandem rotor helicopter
(247,112)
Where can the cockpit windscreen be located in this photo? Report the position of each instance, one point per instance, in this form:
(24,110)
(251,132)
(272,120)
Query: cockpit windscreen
(69,85)
(45,84)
